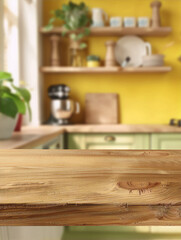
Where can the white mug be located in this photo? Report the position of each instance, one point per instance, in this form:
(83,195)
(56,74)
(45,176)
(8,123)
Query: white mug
(143,22)
(116,21)
(129,22)
(99,16)
(148,48)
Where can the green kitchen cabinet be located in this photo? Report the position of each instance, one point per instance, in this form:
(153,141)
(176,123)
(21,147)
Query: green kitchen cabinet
(108,141)
(56,143)
(121,233)
(166,141)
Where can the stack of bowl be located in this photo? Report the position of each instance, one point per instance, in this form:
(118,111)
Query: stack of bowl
(155,60)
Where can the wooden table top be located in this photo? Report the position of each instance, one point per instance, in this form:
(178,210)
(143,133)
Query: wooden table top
(86,187)
(31,137)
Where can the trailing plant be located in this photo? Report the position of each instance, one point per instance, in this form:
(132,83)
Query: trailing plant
(76,18)
(13,100)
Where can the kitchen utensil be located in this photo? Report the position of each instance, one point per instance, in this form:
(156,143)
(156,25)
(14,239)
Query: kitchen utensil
(175,122)
(153,60)
(126,62)
(116,22)
(101,108)
(110,60)
(99,17)
(143,22)
(129,22)
(62,108)
(134,48)
(156,21)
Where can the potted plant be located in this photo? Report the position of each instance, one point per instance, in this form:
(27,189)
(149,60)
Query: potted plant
(13,101)
(76,21)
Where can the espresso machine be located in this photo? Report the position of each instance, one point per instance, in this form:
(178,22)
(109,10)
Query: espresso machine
(62,107)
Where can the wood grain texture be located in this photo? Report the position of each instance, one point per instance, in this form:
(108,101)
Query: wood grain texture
(90,177)
(89,215)
(66,187)
(73,187)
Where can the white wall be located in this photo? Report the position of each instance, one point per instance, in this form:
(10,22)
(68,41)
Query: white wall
(1,35)
(30,15)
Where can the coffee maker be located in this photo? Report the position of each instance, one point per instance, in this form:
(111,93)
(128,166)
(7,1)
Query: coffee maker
(62,107)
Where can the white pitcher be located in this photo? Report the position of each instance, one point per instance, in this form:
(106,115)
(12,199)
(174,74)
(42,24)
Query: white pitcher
(99,16)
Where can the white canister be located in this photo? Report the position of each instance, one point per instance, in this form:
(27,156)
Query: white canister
(129,22)
(143,22)
(7,125)
(116,22)
(99,17)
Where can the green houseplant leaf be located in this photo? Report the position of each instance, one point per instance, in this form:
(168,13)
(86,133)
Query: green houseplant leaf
(8,107)
(23,93)
(13,99)
(76,18)
(5,76)
(19,103)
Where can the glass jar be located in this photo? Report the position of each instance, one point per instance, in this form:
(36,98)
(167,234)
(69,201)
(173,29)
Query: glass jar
(77,55)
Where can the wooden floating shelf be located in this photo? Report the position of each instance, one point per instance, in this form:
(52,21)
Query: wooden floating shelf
(117,70)
(118,31)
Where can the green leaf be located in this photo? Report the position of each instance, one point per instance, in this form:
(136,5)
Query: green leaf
(8,107)
(72,5)
(80,36)
(82,6)
(5,76)
(87,31)
(23,92)
(83,21)
(49,27)
(52,20)
(29,110)
(73,36)
(20,104)
(65,7)
(67,26)
(58,13)
(4,89)
(83,45)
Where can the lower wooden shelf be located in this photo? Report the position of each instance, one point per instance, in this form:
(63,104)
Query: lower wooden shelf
(50,69)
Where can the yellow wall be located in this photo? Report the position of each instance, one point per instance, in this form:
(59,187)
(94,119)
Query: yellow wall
(144,98)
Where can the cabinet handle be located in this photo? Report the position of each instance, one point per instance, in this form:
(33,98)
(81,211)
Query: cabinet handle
(58,146)
(109,138)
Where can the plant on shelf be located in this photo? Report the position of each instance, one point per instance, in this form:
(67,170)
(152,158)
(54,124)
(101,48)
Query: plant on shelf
(13,101)
(76,21)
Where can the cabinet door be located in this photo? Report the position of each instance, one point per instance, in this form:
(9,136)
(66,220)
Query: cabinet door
(106,233)
(108,141)
(121,233)
(166,141)
(56,143)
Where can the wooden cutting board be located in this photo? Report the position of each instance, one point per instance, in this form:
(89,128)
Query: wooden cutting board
(102,108)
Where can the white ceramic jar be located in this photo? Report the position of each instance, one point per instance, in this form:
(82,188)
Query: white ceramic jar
(7,125)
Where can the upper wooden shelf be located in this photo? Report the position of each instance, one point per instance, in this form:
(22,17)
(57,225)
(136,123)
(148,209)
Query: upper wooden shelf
(117,31)
(61,69)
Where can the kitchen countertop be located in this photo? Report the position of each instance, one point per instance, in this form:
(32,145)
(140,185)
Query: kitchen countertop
(31,137)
